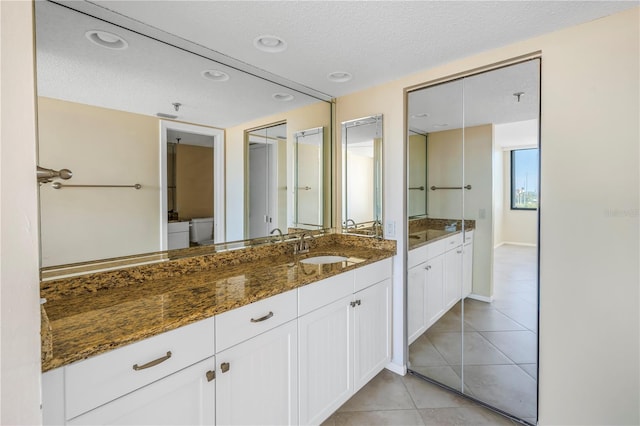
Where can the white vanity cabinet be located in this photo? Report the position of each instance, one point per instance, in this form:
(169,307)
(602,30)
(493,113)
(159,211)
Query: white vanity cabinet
(344,341)
(138,381)
(293,358)
(439,275)
(183,398)
(257,379)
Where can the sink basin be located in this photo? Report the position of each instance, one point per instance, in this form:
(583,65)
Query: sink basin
(321,260)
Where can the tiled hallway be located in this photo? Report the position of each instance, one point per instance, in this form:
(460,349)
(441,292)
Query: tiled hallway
(499,359)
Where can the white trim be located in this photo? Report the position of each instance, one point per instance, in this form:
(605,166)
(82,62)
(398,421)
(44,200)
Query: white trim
(480,298)
(396,368)
(513,243)
(219,177)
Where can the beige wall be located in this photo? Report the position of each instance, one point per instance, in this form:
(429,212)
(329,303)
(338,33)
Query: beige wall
(417,199)
(517,226)
(104,147)
(19,279)
(589,334)
(309,117)
(444,168)
(194,176)
(359,188)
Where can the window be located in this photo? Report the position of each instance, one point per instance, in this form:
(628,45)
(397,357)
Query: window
(524,179)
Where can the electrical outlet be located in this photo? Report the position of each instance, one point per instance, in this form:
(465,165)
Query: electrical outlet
(390,230)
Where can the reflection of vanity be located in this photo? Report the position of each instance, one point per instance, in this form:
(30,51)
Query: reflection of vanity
(439,271)
(195,342)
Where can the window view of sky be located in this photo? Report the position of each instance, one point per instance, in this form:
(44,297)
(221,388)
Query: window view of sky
(524,179)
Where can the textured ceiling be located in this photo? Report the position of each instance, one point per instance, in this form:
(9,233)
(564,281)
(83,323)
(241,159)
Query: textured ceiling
(376,41)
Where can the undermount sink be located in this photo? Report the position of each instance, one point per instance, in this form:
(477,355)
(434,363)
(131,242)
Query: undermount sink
(321,260)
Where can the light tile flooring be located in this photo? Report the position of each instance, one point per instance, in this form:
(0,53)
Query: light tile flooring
(500,355)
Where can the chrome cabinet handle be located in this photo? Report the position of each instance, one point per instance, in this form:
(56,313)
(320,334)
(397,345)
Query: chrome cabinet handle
(224,367)
(426,268)
(210,375)
(353,304)
(458,251)
(358,302)
(264,318)
(152,363)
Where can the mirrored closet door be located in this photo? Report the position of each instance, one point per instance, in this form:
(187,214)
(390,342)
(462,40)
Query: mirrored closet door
(472,288)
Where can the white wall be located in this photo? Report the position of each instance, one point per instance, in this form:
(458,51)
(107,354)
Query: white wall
(359,188)
(19,279)
(589,294)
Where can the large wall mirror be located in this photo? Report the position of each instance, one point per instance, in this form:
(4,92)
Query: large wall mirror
(362,175)
(124,105)
(472,202)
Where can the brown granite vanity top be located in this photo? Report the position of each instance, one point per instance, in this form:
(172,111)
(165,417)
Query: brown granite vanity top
(92,314)
(427,230)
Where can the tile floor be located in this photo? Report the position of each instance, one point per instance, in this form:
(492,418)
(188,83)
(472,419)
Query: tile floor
(500,355)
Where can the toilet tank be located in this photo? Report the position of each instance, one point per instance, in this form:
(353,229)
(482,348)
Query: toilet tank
(201,229)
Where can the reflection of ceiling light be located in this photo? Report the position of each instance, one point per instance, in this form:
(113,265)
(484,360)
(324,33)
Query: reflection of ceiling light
(421,115)
(106,39)
(339,76)
(215,75)
(284,97)
(270,43)
(441,125)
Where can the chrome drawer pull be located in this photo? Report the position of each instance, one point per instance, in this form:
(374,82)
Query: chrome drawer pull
(152,363)
(264,318)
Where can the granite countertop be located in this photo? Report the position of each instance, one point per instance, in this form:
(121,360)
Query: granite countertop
(93,314)
(427,230)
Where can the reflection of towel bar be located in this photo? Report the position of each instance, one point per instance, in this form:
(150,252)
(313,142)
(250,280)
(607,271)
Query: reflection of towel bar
(58,185)
(421,188)
(433,188)
(305,188)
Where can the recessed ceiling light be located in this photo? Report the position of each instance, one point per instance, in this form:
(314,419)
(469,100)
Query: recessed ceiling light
(339,76)
(270,43)
(106,39)
(283,97)
(215,75)
(421,115)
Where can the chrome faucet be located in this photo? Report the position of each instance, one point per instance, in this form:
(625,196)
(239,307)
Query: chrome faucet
(301,246)
(279,234)
(353,222)
(377,229)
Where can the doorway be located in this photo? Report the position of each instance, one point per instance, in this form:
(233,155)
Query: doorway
(193,142)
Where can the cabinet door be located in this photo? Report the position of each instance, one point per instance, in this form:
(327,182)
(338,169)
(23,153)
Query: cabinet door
(325,360)
(416,302)
(453,277)
(372,332)
(257,380)
(183,398)
(467,269)
(434,289)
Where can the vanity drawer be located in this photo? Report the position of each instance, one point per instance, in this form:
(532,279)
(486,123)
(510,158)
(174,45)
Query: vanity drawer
(372,274)
(238,325)
(468,237)
(105,377)
(321,293)
(453,241)
(426,252)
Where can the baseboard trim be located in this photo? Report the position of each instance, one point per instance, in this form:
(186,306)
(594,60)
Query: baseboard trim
(513,243)
(480,298)
(398,369)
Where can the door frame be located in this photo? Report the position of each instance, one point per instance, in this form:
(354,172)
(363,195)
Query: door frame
(219,234)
